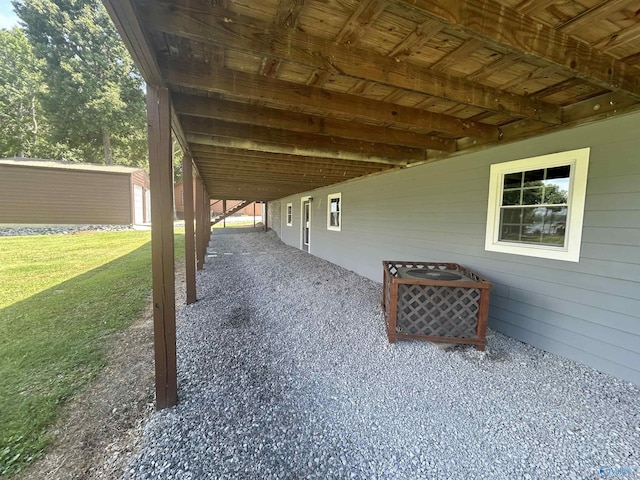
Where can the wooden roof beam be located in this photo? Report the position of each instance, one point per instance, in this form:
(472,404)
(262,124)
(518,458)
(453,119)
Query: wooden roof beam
(504,27)
(221,27)
(301,169)
(593,15)
(217,80)
(310,171)
(245,191)
(271,180)
(528,7)
(248,144)
(301,141)
(280,157)
(233,168)
(300,122)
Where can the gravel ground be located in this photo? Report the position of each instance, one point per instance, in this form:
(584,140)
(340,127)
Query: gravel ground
(285,373)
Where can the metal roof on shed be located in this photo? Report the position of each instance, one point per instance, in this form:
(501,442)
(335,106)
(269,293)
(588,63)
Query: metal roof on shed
(34,162)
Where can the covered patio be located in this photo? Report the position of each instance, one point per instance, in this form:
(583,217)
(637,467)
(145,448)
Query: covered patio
(284,371)
(278,97)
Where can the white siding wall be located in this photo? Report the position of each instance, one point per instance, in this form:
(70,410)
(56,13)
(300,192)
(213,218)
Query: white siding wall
(274,221)
(588,311)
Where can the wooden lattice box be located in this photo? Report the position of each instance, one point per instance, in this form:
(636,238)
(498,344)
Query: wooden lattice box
(438,302)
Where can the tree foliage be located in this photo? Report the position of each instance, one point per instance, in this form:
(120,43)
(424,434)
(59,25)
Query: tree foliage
(92,95)
(22,125)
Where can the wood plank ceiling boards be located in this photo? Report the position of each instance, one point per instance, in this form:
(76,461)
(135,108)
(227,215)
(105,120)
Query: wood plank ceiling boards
(277,97)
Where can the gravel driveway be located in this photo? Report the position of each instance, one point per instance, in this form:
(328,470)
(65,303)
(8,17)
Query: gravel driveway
(285,373)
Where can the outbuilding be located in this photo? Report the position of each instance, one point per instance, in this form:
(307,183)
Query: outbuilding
(34,192)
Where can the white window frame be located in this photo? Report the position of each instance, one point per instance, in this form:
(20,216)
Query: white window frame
(579,162)
(289,214)
(333,196)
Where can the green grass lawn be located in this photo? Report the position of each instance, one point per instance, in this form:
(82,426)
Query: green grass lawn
(61,296)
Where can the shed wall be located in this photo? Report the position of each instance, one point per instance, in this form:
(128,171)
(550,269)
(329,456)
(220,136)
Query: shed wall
(32,195)
(588,311)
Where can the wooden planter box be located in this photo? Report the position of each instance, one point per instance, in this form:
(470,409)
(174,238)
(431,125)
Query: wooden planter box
(438,302)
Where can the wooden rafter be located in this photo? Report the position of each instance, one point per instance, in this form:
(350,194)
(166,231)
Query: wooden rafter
(261,88)
(528,7)
(498,25)
(246,34)
(300,141)
(297,163)
(595,14)
(304,123)
(257,146)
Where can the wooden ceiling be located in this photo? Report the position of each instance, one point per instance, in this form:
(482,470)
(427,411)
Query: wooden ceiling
(275,97)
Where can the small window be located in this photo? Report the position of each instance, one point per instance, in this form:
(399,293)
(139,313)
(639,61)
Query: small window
(289,214)
(334,218)
(536,206)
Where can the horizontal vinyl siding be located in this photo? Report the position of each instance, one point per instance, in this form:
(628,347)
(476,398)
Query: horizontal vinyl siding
(588,311)
(30,195)
(141,178)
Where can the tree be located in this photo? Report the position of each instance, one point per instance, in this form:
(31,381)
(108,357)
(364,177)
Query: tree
(95,101)
(21,84)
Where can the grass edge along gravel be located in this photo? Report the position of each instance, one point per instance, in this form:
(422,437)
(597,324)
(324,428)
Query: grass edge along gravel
(71,292)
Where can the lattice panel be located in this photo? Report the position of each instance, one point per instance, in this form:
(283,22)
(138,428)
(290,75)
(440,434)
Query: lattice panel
(438,311)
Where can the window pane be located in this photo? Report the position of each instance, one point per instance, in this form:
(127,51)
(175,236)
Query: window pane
(511,197)
(513,180)
(559,172)
(510,233)
(532,196)
(533,178)
(540,225)
(557,185)
(511,215)
(556,194)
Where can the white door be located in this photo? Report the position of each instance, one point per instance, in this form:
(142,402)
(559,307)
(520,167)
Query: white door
(147,218)
(306,225)
(138,205)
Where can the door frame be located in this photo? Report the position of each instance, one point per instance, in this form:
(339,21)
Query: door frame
(303,200)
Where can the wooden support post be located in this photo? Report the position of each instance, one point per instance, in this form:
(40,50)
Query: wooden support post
(224,219)
(265,214)
(199,226)
(189,231)
(164,309)
(254,214)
